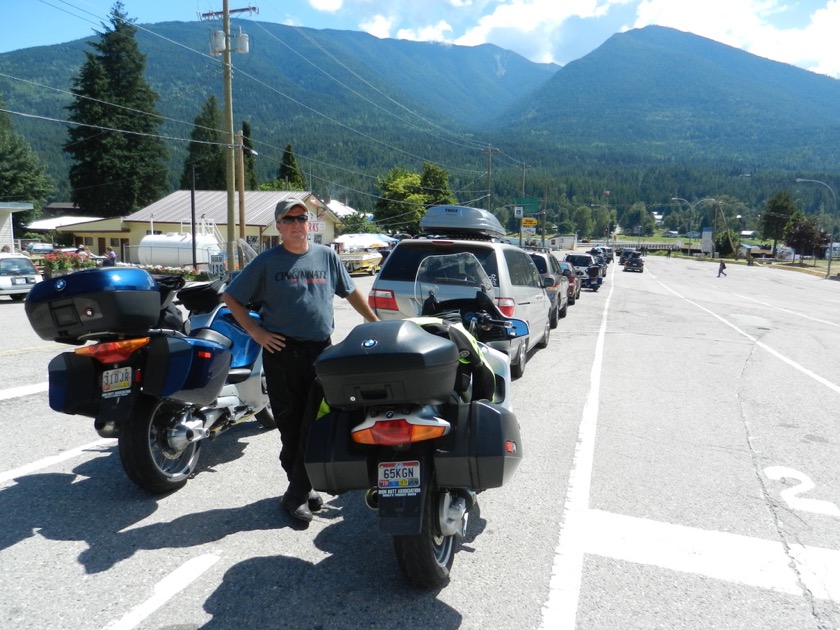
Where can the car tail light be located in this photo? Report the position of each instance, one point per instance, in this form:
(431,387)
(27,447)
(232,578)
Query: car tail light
(396,432)
(382,299)
(113,351)
(507,306)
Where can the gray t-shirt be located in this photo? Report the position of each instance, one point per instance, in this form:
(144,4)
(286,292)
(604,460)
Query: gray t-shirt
(295,290)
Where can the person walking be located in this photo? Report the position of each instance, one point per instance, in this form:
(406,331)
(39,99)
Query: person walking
(721,268)
(295,284)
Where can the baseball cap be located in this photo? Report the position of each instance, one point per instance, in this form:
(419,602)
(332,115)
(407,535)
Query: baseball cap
(284,207)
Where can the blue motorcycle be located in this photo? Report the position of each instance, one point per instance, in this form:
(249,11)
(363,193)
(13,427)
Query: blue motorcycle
(158,383)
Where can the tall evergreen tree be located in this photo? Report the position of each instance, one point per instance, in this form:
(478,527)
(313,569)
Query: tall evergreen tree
(289,175)
(119,160)
(778,211)
(207,150)
(23,177)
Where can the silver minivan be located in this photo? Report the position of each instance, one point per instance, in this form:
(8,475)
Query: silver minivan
(519,289)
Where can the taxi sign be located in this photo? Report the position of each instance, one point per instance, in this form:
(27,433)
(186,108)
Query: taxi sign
(530,222)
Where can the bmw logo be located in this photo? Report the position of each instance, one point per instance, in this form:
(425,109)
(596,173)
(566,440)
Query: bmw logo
(369,343)
(60,284)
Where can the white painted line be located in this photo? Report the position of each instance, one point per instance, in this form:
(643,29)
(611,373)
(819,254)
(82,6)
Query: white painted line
(560,610)
(786,310)
(99,446)
(24,390)
(801,368)
(165,590)
(719,555)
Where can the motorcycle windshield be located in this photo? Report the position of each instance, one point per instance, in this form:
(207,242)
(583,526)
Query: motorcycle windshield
(455,276)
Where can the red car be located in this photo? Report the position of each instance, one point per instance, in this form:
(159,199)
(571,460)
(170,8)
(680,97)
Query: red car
(574,281)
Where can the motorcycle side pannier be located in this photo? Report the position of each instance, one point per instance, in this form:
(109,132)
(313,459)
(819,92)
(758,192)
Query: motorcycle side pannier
(386,363)
(485,448)
(119,300)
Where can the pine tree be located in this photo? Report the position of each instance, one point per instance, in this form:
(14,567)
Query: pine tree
(207,150)
(119,160)
(23,177)
(289,174)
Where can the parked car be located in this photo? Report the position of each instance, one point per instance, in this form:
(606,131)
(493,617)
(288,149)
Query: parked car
(519,289)
(574,280)
(40,248)
(558,290)
(17,276)
(634,262)
(587,269)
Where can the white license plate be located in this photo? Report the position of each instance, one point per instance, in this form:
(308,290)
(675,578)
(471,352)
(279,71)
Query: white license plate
(399,475)
(116,380)
(18,280)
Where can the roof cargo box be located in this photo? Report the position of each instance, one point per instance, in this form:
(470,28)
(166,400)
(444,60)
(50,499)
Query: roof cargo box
(461,221)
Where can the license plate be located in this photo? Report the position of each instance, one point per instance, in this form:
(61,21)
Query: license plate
(399,476)
(18,280)
(116,382)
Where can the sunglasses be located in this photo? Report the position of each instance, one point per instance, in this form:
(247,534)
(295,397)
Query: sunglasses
(300,218)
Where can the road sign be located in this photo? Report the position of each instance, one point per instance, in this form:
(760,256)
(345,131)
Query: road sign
(529,222)
(517,212)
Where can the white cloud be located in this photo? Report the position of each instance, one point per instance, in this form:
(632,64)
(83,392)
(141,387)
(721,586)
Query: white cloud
(326,6)
(379,26)
(748,26)
(435,33)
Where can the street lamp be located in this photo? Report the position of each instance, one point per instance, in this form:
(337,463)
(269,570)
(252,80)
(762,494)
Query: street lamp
(799,180)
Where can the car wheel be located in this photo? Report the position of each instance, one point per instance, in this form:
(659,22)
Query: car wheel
(554,317)
(563,311)
(546,335)
(518,369)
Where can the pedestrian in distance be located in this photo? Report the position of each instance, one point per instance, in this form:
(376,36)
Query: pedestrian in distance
(721,268)
(110,257)
(295,283)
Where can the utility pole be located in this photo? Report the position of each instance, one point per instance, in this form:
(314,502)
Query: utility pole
(489,151)
(230,162)
(240,172)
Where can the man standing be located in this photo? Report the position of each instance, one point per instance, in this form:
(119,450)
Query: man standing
(295,284)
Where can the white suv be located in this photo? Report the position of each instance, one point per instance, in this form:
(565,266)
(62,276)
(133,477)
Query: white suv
(519,289)
(17,276)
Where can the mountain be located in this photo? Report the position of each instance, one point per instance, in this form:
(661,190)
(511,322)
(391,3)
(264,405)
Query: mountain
(306,87)
(681,113)
(661,93)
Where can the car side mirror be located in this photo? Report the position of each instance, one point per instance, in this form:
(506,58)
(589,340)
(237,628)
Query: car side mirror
(548,282)
(518,328)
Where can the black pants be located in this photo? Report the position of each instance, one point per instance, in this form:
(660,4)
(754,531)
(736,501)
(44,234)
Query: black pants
(295,396)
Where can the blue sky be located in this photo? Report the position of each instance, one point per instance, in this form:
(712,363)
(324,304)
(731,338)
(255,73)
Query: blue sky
(803,33)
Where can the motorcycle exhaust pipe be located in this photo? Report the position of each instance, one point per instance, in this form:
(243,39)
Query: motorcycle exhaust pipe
(372,498)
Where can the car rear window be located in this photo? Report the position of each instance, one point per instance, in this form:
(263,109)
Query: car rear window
(16,266)
(579,261)
(539,261)
(403,262)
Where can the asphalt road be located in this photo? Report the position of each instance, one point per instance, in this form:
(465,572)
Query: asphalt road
(680,437)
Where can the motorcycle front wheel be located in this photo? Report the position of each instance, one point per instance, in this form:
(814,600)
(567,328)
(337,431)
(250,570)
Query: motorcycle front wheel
(426,559)
(146,454)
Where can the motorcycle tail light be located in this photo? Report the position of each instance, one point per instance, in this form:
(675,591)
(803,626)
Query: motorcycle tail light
(113,351)
(507,306)
(382,299)
(396,432)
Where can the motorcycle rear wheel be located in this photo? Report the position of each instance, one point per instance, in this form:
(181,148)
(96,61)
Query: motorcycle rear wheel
(148,459)
(426,559)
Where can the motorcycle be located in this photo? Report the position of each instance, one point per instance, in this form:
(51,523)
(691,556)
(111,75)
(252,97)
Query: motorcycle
(161,385)
(420,416)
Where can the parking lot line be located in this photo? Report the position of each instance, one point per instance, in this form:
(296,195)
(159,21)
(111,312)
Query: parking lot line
(99,446)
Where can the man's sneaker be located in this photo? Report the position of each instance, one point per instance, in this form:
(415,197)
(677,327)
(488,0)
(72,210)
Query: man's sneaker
(299,511)
(314,501)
